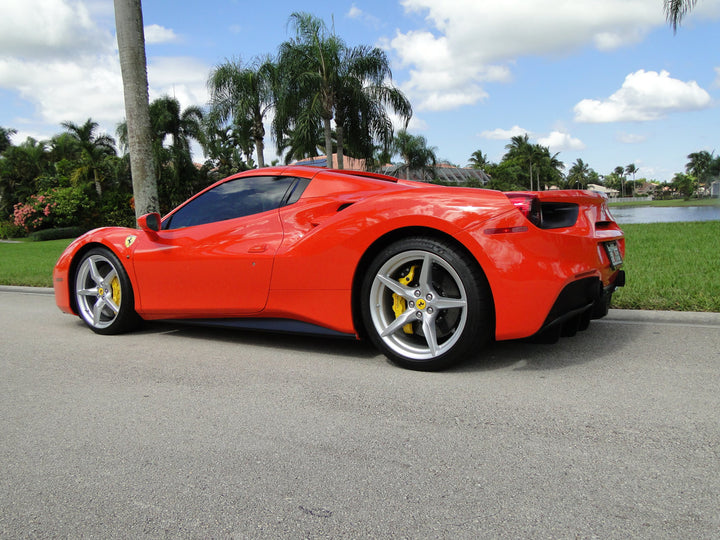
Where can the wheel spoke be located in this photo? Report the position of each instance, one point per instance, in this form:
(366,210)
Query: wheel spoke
(430,333)
(97,311)
(395,287)
(442,302)
(112,305)
(425,279)
(398,323)
(94,273)
(88,292)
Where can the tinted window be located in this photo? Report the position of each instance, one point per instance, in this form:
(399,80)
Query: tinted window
(233,199)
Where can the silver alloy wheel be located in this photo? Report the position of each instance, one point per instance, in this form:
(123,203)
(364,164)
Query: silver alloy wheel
(98,291)
(434,303)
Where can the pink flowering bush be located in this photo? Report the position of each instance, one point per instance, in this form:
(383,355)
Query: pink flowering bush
(35,213)
(57,207)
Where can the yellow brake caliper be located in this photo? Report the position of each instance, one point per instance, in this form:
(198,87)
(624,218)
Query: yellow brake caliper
(399,304)
(115,284)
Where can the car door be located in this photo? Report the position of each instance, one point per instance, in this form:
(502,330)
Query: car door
(214,255)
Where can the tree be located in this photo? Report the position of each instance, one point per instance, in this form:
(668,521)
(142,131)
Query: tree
(534,160)
(415,153)
(620,173)
(675,11)
(5,141)
(20,168)
(240,94)
(363,97)
(578,174)
(700,165)
(93,149)
(131,48)
(309,64)
(322,80)
(478,160)
(175,171)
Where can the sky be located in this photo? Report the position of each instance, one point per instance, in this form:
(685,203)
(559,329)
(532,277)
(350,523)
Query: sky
(605,81)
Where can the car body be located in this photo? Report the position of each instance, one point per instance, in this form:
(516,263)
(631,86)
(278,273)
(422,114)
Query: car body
(428,273)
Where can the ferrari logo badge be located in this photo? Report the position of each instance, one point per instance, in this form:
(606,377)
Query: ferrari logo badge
(130,240)
(420,304)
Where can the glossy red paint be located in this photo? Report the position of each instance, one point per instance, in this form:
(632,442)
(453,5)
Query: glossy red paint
(304,261)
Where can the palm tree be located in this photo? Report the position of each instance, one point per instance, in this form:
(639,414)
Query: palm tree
(631,169)
(363,97)
(173,160)
(94,149)
(675,11)
(131,48)
(700,165)
(322,80)
(415,153)
(5,141)
(309,64)
(239,93)
(478,160)
(578,174)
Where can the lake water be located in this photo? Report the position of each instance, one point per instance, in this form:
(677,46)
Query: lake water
(660,214)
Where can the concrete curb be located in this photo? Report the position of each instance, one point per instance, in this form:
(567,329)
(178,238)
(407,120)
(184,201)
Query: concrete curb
(27,290)
(615,315)
(664,317)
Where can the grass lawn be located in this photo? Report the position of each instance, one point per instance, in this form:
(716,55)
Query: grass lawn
(670,266)
(29,263)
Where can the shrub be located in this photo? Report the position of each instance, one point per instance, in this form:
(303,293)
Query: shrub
(8,230)
(57,234)
(34,214)
(57,207)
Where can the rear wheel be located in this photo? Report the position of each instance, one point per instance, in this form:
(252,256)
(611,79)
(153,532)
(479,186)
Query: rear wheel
(425,304)
(103,293)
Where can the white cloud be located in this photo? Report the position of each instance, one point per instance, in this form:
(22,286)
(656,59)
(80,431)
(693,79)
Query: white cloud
(155,33)
(182,77)
(355,12)
(33,29)
(473,41)
(644,96)
(558,141)
(500,134)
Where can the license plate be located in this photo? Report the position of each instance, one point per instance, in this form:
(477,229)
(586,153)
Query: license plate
(613,253)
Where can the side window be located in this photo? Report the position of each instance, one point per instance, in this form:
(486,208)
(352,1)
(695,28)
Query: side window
(233,199)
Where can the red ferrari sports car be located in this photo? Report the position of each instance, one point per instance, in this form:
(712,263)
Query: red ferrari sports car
(427,273)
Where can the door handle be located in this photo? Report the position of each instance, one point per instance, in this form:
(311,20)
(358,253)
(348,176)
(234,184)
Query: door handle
(259,248)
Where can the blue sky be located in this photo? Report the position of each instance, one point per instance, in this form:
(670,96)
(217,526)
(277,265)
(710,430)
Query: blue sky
(605,81)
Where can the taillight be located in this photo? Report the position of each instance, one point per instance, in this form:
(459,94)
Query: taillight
(529,206)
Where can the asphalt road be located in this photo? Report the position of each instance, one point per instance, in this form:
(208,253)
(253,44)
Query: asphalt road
(198,433)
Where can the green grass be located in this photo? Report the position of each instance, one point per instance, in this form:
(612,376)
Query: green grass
(669,266)
(29,263)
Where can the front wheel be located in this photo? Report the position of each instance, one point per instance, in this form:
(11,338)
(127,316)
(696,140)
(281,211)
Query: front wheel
(425,304)
(103,293)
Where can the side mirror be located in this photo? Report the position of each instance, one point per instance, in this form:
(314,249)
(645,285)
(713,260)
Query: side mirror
(149,222)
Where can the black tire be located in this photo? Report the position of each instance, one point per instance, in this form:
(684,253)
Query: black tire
(103,293)
(425,304)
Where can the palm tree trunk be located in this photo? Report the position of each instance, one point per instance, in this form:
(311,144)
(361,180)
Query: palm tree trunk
(98,187)
(328,143)
(340,150)
(131,47)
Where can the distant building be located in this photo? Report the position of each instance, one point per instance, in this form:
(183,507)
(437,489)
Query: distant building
(715,189)
(602,189)
(443,172)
